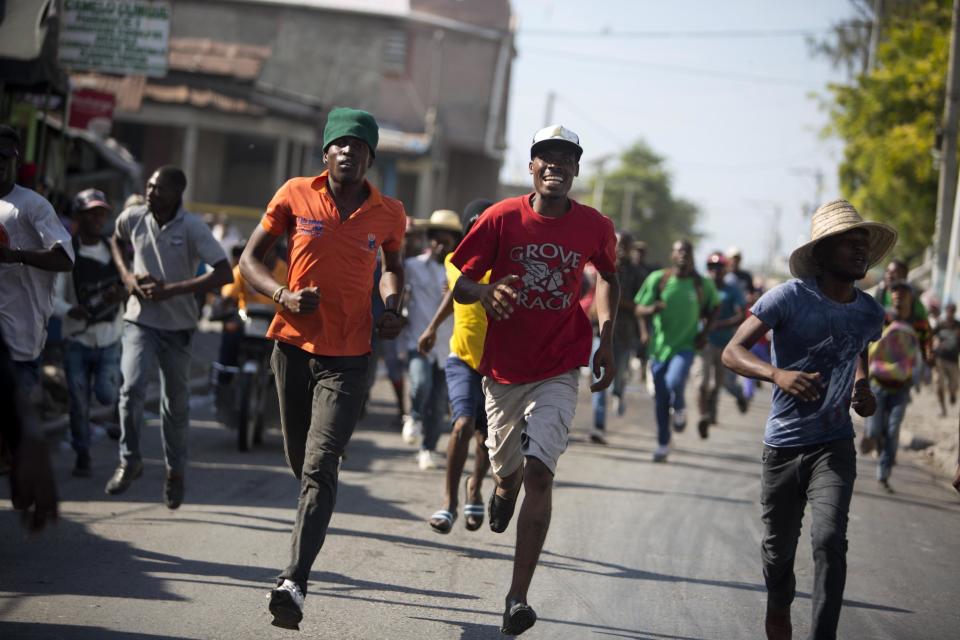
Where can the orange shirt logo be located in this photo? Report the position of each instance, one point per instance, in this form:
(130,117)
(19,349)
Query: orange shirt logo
(309,227)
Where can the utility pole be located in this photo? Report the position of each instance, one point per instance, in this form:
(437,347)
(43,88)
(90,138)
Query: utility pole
(600,181)
(947,189)
(548,113)
(949,284)
(626,212)
(874,34)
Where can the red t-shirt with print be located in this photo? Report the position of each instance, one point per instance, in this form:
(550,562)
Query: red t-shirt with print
(548,332)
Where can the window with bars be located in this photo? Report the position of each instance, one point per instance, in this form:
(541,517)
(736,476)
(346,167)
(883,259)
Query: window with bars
(395,52)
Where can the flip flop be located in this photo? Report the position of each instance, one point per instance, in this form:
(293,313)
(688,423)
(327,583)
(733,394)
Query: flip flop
(472,512)
(501,511)
(518,617)
(445,521)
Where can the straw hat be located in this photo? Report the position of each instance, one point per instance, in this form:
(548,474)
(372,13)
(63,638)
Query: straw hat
(832,219)
(441,220)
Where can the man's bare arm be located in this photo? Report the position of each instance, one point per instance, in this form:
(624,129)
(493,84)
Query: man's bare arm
(55,258)
(738,358)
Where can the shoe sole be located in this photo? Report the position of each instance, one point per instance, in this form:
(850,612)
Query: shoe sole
(286,614)
(519,622)
(499,525)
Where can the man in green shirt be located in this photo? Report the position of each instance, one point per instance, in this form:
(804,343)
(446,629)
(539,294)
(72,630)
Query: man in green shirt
(681,302)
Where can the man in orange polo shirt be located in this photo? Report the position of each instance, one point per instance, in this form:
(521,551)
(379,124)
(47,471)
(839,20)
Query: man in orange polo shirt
(334,223)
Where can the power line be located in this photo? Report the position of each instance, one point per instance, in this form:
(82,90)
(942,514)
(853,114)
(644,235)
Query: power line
(695,71)
(707,34)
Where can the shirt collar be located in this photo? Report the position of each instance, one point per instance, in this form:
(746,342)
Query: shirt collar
(375,198)
(176,217)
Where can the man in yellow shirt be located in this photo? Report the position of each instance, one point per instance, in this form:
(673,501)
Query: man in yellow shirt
(243,294)
(465,390)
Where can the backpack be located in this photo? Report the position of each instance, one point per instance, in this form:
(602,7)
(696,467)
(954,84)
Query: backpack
(891,359)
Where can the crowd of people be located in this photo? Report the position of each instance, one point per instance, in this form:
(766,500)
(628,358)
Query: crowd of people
(484,320)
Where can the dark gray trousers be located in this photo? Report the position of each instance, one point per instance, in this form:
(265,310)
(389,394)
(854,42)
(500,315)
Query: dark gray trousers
(822,475)
(320,402)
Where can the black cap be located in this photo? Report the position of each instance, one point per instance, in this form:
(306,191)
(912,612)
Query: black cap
(90,199)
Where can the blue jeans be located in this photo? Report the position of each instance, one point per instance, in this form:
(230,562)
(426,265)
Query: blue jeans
(26,373)
(89,369)
(143,348)
(598,399)
(669,382)
(884,425)
(428,397)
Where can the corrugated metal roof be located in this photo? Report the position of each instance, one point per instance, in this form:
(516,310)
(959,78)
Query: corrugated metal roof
(203,55)
(131,91)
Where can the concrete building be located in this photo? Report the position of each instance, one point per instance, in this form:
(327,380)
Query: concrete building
(250,83)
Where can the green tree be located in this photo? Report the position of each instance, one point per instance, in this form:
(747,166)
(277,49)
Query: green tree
(888,119)
(656,216)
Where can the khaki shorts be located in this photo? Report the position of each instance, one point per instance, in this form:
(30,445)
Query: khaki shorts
(531,419)
(947,376)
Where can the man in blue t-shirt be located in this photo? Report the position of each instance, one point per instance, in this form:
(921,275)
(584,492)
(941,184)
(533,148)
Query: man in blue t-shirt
(713,374)
(821,326)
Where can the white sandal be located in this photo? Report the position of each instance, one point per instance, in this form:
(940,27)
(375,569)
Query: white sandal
(446,521)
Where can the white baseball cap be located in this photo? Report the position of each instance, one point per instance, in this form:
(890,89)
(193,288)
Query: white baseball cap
(556,133)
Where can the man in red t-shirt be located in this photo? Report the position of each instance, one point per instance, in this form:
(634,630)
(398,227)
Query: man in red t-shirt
(536,246)
(335,224)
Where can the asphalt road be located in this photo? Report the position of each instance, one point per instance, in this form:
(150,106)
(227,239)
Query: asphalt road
(636,550)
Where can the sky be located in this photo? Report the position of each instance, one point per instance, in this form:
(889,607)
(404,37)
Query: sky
(736,118)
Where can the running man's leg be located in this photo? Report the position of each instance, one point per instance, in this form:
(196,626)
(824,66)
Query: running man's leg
(339,387)
(436,408)
(466,402)
(295,382)
(661,401)
(549,408)
(782,500)
(174,359)
(706,393)
(831,472)
(78,387)
(896,409)
(106,375)
(458,447)
(532,526)
(940,380)
(421,383)
(137,362)
(678,370)
(873,425)
(395,371)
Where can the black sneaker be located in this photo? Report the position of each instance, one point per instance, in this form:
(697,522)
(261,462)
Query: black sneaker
(173,490)
(517,618)
(703,428)
(286,605)
(123,477)
(82,469)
